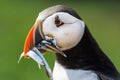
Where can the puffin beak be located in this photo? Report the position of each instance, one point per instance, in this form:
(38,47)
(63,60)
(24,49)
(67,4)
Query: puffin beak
(30,42)
(33,38)
(37,39)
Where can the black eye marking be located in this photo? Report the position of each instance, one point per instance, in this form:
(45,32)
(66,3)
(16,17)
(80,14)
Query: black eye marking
(58,21)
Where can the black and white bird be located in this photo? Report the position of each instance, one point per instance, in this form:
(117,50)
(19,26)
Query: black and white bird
(78,56)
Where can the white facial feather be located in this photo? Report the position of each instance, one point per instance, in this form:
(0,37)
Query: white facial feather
(67,35)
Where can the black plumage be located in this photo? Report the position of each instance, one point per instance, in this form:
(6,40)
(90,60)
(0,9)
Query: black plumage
(87,55)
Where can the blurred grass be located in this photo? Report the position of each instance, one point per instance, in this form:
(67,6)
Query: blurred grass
(18,16)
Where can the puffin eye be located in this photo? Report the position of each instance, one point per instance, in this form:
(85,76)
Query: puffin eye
(58,22)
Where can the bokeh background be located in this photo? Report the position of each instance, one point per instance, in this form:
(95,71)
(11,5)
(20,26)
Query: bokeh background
(18,16)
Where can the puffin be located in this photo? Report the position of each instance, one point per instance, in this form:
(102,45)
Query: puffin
(78,56)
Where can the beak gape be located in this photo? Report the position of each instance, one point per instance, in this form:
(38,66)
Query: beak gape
(49,44)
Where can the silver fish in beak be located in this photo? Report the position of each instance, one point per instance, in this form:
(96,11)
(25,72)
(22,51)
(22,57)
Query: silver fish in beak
(38,57)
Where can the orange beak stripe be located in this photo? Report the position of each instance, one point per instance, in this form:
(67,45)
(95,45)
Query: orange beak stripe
(29,42)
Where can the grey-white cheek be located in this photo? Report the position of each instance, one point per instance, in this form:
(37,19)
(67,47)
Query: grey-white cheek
(67,38)
(63,41)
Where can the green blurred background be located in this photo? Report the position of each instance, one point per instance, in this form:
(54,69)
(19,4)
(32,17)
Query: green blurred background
(18,16)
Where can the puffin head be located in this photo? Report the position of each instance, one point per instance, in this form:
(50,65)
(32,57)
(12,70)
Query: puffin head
(57,29)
